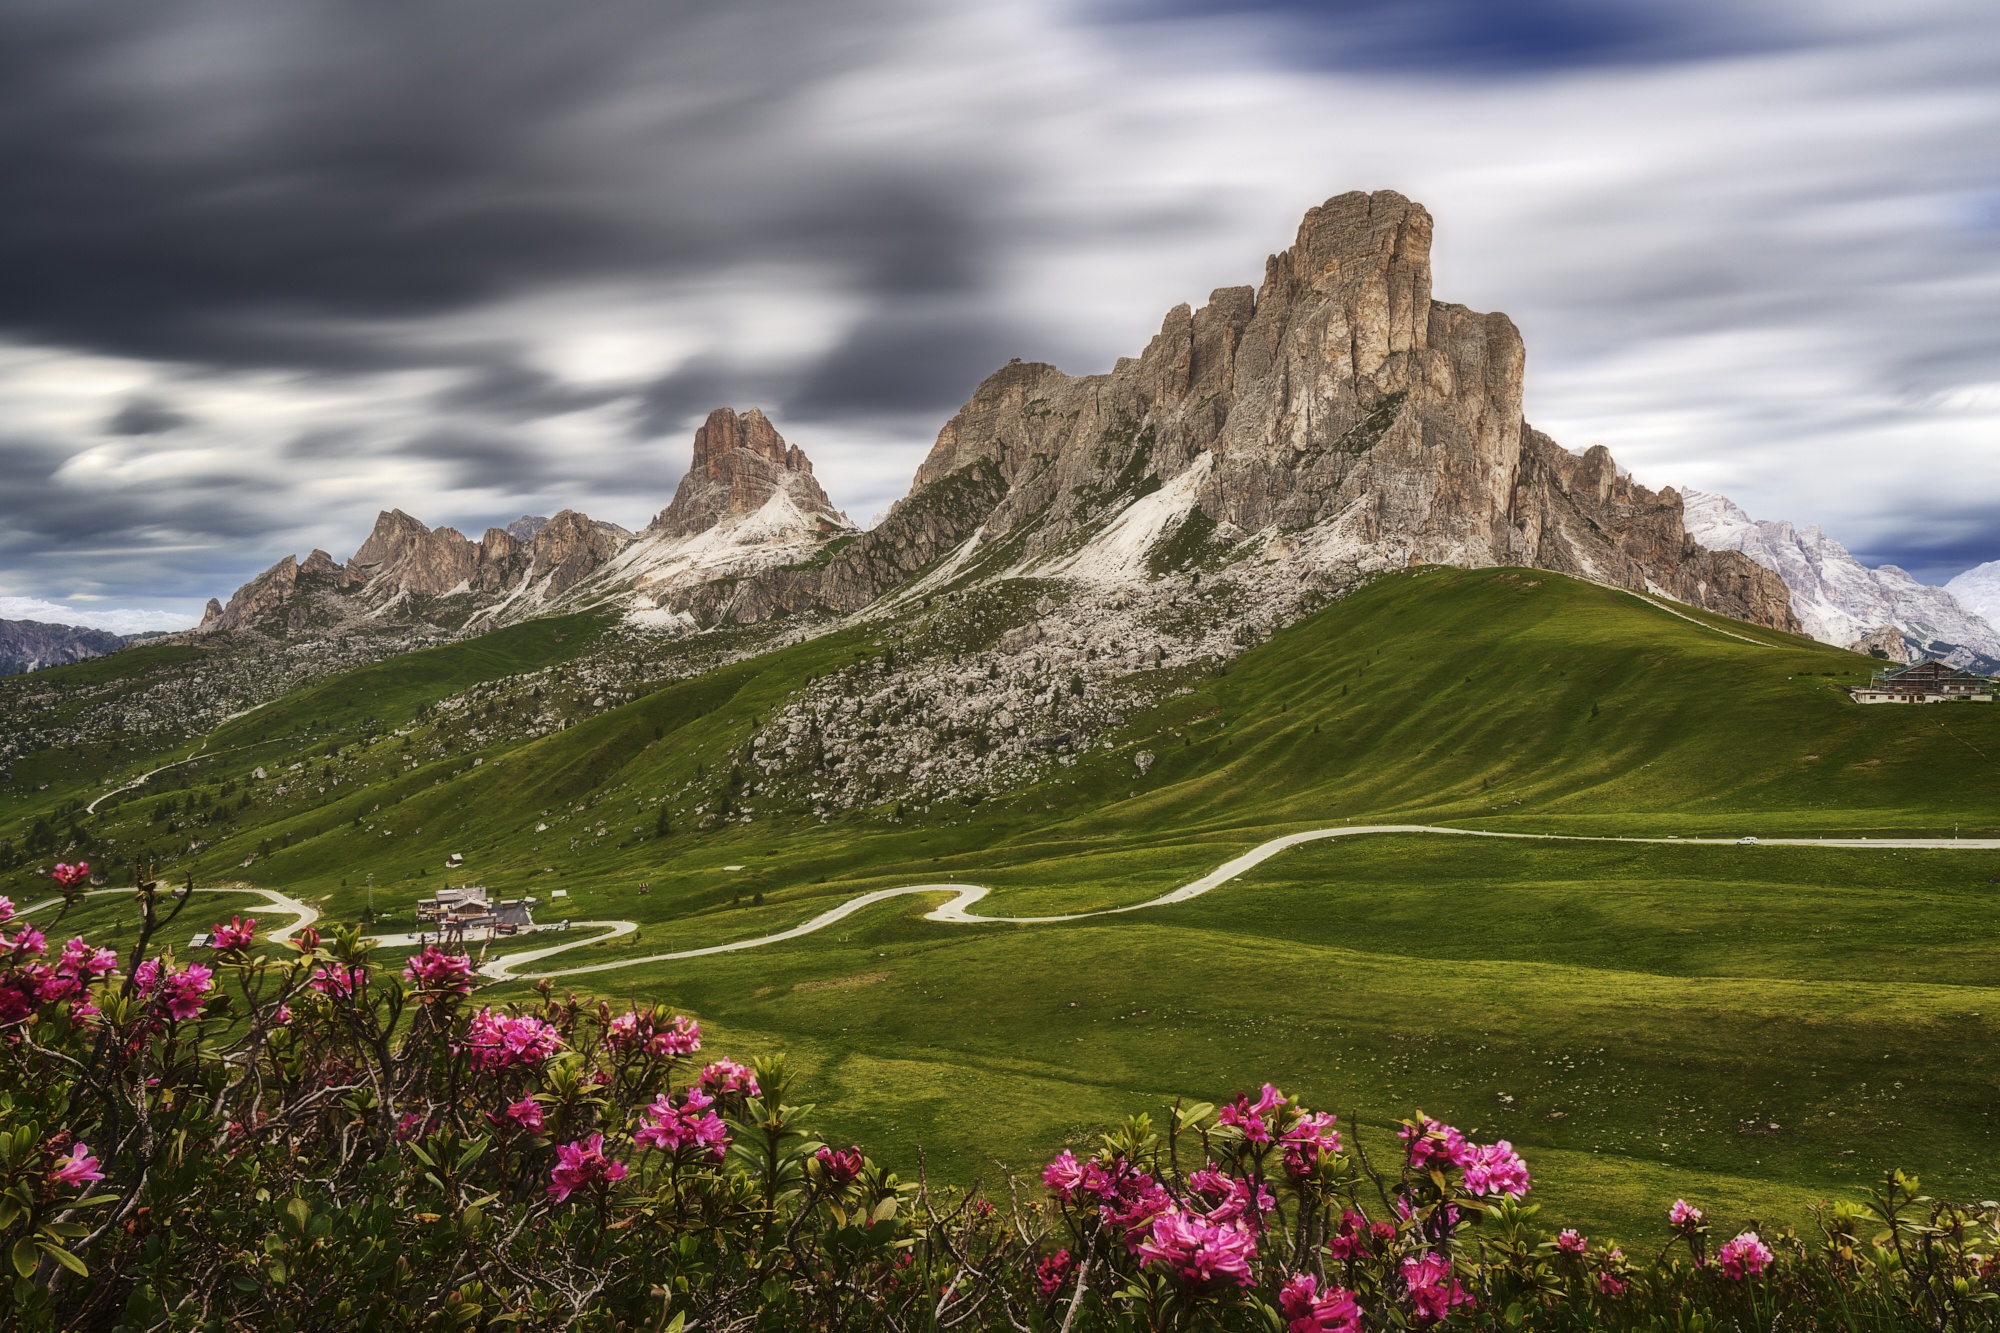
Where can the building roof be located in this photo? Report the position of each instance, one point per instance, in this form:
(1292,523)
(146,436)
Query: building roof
(1929,673)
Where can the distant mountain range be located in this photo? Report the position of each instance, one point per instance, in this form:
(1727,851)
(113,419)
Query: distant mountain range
(30,645)
(1839,600)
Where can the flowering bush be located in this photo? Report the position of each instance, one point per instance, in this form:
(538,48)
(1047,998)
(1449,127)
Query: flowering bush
(300,1138)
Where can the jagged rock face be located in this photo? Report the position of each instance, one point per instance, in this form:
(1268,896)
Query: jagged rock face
(402,556)
(567,550)
(1338,401)
(739,463)
(1885,642)
(258,598)
(1838,599)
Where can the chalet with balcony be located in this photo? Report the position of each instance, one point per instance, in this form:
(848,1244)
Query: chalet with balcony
(1925,683)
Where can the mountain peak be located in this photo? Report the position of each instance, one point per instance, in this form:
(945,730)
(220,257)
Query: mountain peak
(738,464)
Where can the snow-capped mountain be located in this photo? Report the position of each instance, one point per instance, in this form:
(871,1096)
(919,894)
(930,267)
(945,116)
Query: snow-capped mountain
(1978,590)
(1838,599)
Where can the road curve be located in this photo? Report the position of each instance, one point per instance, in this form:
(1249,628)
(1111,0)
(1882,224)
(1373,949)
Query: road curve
(953,911)
(303,914)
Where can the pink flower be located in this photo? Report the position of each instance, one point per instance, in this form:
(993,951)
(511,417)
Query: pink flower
(1610,1286)
(1053,1273)
(681,1036)
(1496,1169)
(79,1168)
(1310,1138)
(1229,1197)
(495,1041)
(1199,1253)
(1570,1242)
(1306,1310)
(624,1030)
(81,960)
(726,1076)
(439,973)
(1745,1256)
(1250,1116)
(1350,1238)
(676,1129)
(283,1016)
(1128,1199)
(1432,1143)
(583,1165)
(338,982)
(1064,1175)
(408,1125)
(28,943)
(148,976)
(6,909)
(181,992)
(526,1113)
(1434,1292)
(235,935)
(68,876)
(1684,1216)
(843,1167)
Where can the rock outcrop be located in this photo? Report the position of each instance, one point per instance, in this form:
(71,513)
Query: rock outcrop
(1838,599)
(1337,414)
(1978,591)
(738,465)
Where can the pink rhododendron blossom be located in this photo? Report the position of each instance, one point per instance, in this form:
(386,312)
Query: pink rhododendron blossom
(1226,1198)
(1496,1168)
(690,1125)
(725,1077)
(843,1167)
(624,1030)
(1252,1117)
(28,943)
(1063,1176)
(181,992)
(1197,1252)
(1434,1292)
(681,1036)
(1571,1242)
(78,1168)
(1127,1198)
(524,1115)
(1433,1144)
(1745,1256)
(1350,1237)
(1610,1286)
(440,973)
(236,935)
(1311,1137)
(6,909)
(83,961)
(495,1041)
(69,876)
(1684,1216)
(338,982)
(1309,1310)
(582,1165)
(283,1016)
(408,1125)
(1053,1273)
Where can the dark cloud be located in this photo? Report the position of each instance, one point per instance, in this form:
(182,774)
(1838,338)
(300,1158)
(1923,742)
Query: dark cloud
(1490,37)
(145,416)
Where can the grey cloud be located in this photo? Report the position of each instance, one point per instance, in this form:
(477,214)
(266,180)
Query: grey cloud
(145,416)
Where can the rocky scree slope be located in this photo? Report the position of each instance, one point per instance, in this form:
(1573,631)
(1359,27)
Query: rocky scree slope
(1334,422)
(1839,600)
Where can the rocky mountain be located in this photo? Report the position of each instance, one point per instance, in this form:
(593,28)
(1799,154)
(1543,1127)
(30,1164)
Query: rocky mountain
(748,503)
(1978,590)
(1333,421)
(1841,601)
(30,645)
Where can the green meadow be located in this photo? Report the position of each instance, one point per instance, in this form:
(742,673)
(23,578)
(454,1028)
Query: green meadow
(1755,1027)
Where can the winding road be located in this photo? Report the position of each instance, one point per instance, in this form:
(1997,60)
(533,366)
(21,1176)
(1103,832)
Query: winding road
(954,910)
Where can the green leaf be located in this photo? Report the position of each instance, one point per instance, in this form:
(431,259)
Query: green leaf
(24,1257)
(61,1256)
(93,1201)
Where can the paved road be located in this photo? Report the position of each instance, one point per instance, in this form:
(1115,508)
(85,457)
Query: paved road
(953,911)
(303,914)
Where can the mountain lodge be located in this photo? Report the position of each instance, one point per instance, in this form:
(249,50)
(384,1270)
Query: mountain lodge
(1924,683)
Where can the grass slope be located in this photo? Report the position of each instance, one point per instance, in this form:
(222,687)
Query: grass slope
(1633,1018)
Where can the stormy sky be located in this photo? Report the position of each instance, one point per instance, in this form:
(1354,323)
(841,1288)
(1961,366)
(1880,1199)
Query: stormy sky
(266,269)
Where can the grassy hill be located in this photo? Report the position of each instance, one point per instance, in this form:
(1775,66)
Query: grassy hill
(1634,1018)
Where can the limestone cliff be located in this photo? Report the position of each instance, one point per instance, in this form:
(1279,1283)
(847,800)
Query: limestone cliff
(1337,413)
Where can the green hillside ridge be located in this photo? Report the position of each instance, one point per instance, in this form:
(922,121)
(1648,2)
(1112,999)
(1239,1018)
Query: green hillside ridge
(1716,985)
